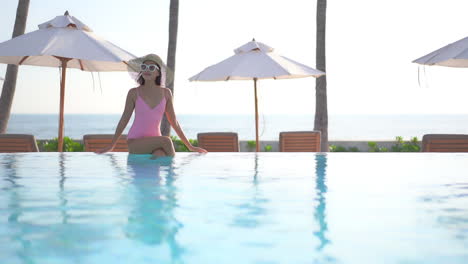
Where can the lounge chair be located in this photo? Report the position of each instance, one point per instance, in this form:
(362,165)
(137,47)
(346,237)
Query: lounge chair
(95,142)
(445,143)
(299,141)
(219,141)
(18,143)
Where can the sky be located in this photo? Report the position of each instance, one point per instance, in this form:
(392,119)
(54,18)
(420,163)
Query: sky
(370,46)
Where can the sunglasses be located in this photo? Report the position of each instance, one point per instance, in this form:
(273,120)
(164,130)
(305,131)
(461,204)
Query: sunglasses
(149,67)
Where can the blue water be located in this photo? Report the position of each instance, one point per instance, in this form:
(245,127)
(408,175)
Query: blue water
(234,208)
(341,127)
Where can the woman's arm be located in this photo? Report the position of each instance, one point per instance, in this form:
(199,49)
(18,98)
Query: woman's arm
(126,115)
(171,117)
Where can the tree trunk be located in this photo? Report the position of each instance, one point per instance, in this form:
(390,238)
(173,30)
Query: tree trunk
(171,55)
(9,85)
(321,112)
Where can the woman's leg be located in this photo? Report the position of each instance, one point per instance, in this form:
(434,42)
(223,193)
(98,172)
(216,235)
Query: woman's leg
(151,145)
(159,153)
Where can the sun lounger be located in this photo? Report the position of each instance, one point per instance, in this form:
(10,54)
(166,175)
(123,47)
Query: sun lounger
(445,143)
(299,141)
(219,141)
(95,142)
(18,143)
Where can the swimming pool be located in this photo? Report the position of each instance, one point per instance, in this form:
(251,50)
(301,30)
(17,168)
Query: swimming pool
(234,208)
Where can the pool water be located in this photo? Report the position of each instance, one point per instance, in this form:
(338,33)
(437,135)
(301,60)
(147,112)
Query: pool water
(234,208)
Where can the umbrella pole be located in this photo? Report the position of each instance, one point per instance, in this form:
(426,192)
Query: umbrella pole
(257,147)
(62,103)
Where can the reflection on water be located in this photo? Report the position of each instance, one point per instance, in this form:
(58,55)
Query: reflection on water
(321,206)
(43,225)
(14,206)
(38,221)
(62,193)
(259,208)
(320,213)
(154,200)
(253,207)
(447,202)
(11,177)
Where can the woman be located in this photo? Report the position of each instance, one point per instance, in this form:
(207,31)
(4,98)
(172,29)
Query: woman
(150,102)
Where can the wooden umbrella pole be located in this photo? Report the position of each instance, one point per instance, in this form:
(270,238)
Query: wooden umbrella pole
(62,103)
(257,146)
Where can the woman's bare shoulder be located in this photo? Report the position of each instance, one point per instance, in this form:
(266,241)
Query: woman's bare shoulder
(132,92)
(167,92)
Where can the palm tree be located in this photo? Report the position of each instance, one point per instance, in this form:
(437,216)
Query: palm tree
(171,54)
(9,84)
(321,112)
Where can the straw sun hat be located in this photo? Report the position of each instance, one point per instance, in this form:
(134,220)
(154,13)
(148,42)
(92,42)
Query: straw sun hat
(167,75)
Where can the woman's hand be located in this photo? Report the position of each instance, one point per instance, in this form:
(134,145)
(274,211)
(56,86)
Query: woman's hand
(104,150)
(197,149)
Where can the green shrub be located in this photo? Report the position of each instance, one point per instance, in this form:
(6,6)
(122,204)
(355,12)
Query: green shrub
(401,146)
(334,148)
(68,145)
(373,147)
(268,148)
(251,144)
(353,149)
(179,146)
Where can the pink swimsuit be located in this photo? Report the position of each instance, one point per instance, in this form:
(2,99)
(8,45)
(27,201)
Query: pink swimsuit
(147,122)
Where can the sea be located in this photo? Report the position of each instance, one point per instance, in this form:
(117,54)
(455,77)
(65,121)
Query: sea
(340,127)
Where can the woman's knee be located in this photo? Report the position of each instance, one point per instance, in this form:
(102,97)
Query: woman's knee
(159,152)
(168,146)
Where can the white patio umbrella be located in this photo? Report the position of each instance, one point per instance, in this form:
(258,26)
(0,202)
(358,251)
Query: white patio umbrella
(64,42)
(255,61)
(452,55)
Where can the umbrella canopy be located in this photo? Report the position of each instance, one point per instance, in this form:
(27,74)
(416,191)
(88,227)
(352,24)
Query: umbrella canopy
(452,55)
(65,37)
(255,61)
(64,42)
